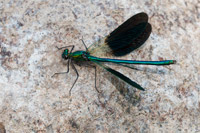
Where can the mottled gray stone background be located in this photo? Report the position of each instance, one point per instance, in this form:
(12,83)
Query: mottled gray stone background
(32,101)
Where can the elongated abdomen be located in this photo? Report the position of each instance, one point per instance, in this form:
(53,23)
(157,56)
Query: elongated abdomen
(164,62)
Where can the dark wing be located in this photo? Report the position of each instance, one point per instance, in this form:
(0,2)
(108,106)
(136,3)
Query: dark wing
(119,75)
(126,38)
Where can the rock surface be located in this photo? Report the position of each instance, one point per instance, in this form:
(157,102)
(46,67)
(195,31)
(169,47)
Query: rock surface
(32,101)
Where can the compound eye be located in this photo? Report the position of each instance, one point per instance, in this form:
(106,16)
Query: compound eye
(65,54)
(66,51)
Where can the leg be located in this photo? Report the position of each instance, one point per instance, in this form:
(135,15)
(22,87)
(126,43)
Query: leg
(64,47)
(63,72)
(76,77)
(68,65)
(95,77)
(58,73)
(67,62)
(71,49)
(84,44)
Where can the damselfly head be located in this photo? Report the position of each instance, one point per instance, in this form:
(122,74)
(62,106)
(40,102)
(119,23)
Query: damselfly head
(65,54)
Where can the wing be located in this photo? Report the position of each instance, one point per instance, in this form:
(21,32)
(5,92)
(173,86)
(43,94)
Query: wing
(124,39)
(119,75)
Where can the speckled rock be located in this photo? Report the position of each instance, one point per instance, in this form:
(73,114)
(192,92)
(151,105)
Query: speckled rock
(33,101)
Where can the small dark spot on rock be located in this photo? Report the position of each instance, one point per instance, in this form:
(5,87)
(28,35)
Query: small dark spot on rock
(19,24)
(4,52)
(73,124)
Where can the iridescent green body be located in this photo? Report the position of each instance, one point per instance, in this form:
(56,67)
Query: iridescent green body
(85,56)
(126,38)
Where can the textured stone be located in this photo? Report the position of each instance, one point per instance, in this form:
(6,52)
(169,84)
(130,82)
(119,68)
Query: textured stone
(32,101)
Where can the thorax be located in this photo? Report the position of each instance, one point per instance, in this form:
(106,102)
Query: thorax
(79,55)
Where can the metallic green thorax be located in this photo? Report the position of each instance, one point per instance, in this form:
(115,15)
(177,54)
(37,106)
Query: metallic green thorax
(77,55)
